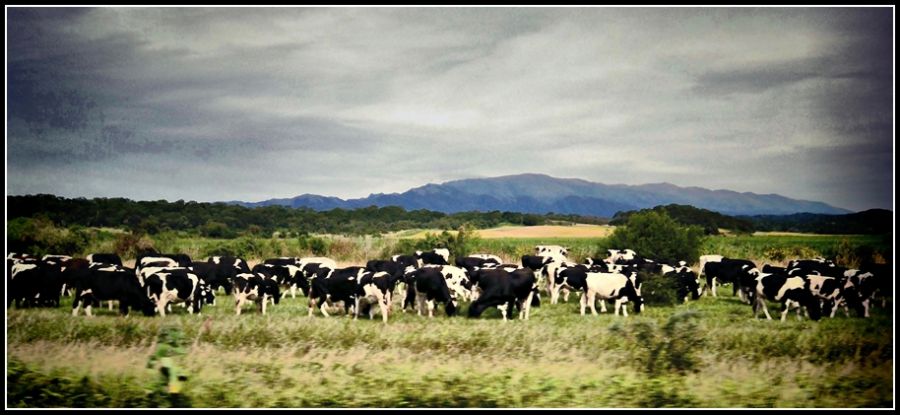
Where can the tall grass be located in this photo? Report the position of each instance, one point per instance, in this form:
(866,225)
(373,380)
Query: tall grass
(708,353)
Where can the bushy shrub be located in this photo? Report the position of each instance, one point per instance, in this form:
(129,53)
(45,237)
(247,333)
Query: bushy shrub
(314,244)
(671,349)
(656,235)
(40,236)
(128,245)
(659,290)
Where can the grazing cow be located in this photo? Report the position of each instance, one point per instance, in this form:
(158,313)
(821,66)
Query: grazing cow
(105,258)
(93,285)
(183,260)
(290,276)
(431,287)
(256,288)
(504,289)
(616,255)
(551,250)
(738,272)
(544,266)
(859,290)
(33,283)
(791,292)
(473,262)
(437,256)
(407,261)
(828,291)
(687,282)
(285,260)
(222,271)
(330,286)
(772,269)
(615,286)
(457,280)
(175,285)
(375,288)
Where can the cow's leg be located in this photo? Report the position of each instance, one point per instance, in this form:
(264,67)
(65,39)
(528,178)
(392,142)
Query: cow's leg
(356,309)
(263,307)
(591,298)
(865,304)
(503,309)
(161,306)
(582,301)
(420,304)
(322,308)
(602,305)
(430,305)
(785,309)
(237,306)
(620,303)
(526,307)
(566,293)
(714,287)
(311,305)
(385,309)
(554,294)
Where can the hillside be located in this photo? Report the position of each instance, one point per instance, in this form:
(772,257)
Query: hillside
(538,193)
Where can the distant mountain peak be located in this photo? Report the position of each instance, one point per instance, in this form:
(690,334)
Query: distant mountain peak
(541,193)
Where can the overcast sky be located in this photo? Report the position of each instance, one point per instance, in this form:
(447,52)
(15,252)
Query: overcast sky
(257,103)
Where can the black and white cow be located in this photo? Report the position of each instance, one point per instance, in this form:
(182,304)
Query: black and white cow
(687,282)
(457,280)
(330,286)
(431,288)
(791,292)
(290,276)
(105,258)
(375,288)
(474,262)
(109,283)
(252,287)
(551,250)
(33,283)
(504,289)
(618,255)
(437,256)
(611,286)
(176,285)
(829,292)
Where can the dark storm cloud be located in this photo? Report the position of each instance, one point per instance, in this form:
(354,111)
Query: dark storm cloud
(246,103)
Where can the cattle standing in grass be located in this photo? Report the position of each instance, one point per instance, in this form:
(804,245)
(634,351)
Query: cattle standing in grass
(431,288)
(109,284)
(33,283)
(504,289)
(828,291)
(289,276)
(437,256)
(613,286)
(791,292)
(474,262)
(687,283)
(175,285)
(256,288)
(375,288)
(330,286)
(735,271)
(105,258)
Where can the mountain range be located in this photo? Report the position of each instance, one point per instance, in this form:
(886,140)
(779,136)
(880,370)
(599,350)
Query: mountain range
(539,193)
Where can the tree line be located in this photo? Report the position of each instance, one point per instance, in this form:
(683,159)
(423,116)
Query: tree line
(222,220)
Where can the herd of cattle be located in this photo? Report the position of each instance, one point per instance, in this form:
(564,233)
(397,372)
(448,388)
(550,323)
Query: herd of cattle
(426,278)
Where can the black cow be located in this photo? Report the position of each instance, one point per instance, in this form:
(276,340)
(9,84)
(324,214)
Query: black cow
(791,292)
(431,287)
(687,283)
(504,289)
(33,283)
(254,287)
(437,256)
(333,285)
(738,272)
(93,285)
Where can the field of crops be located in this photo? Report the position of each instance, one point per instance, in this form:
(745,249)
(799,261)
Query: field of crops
(707,353)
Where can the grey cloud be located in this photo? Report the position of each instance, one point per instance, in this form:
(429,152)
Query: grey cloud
(249,103)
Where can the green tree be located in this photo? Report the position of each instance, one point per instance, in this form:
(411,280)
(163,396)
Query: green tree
(656,235)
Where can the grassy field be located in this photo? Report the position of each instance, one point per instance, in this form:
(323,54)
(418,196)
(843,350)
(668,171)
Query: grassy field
(705,354)
(708,353)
